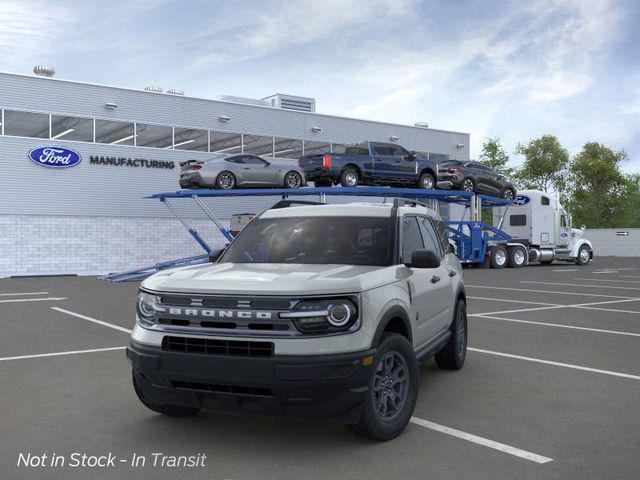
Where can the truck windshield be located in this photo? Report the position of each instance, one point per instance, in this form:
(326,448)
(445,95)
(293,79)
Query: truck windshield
(318,240)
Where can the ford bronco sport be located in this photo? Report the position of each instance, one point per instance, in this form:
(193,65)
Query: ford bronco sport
(317,311)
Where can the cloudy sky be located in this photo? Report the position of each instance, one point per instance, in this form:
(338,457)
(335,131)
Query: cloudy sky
(493,68)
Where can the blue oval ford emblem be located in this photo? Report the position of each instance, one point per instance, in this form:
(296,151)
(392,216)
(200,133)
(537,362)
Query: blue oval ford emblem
(56,157)
(521,200)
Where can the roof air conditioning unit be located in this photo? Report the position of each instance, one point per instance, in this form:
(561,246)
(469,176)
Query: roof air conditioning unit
(153,88)
(292,102)
(175,91)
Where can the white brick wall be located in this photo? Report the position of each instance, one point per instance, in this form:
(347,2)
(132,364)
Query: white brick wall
(52,245)
(607,241)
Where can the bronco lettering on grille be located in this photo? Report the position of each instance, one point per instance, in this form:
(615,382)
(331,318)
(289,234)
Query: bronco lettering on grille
(216,313)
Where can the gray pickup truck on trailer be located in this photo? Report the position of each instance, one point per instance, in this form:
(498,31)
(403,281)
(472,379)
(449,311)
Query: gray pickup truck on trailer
(316,310)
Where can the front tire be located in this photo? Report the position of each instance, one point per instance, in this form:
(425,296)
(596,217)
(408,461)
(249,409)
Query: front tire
(225,180)
(349,178)
(170,410)
(454,353)
(584,255)
(499,256)
(427,181)
(293,180)
(393,390)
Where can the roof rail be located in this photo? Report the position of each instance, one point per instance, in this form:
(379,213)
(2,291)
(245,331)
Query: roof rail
(289,202)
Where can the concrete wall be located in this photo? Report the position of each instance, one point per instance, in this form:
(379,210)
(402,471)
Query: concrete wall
(612,242)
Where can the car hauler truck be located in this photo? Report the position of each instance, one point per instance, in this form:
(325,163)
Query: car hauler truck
(540,231)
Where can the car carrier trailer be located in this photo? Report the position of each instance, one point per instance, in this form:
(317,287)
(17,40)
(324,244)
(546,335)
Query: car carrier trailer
(475,242)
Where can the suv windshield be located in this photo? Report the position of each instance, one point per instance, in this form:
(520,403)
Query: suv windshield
(319,240)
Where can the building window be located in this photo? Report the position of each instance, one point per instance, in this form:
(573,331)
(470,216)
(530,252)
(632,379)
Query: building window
(226,142)
(316,148)
(287,148)
(26,124)
(190,139)
(71,128)
(338,147)
(157,136)
(115,133)
(258,145)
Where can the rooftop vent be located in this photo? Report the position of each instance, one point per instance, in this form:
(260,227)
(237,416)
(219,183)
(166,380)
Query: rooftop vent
(153,88)
(291,102)
(175,91)
(43,71)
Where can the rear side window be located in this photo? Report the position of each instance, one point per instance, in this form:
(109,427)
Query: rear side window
(238,159)
(517,220)
(411,238)
(544,201)
(357,151)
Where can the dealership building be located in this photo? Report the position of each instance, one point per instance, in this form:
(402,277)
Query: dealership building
(92,218)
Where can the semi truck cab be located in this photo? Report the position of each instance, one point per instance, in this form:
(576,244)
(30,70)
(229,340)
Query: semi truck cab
(539,223)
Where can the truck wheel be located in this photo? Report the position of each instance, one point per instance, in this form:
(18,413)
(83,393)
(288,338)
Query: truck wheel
(393,390)
(517,257)
(499,256)
(584,255)
(452,356)
(427,182)
(225,180)
(170,410)
(349,178)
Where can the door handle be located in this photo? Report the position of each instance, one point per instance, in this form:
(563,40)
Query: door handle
(452,273)
(435,279)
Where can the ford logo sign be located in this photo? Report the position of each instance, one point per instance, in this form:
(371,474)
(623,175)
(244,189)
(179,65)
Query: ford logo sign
(55,157)
(521,200)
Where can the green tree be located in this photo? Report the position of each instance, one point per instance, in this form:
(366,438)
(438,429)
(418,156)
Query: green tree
(545,164)
(600,194)
(494,156)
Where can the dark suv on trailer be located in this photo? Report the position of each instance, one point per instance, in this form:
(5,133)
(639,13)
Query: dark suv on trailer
(474,177)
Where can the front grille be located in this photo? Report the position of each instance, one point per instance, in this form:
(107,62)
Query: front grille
(215,388)
(218,347)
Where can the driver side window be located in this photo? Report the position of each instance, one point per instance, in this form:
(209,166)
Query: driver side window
(411,238)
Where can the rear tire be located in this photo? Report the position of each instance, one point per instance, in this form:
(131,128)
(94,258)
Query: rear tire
(499,256)
(349,178)
(170,410)
(427,182)
(517,257)
(452,356)
(225,180)
(393,390)
(292,180)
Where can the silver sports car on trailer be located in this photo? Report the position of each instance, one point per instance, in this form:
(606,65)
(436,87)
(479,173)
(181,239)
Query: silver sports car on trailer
(241,170)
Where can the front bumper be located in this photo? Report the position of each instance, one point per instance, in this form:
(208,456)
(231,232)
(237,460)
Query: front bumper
(319,386)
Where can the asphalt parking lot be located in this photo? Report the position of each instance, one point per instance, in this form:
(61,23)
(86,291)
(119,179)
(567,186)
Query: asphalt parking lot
(551,389)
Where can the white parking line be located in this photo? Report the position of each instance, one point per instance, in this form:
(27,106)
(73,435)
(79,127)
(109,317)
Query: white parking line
(19,300)
(566,270)
(57,354)
(534,457)
(629,276)
(581,285)
(556,364)
(94,320)
(550,306)
(27,293)
(511,301)
(547,291)
(572,327)
(605,280)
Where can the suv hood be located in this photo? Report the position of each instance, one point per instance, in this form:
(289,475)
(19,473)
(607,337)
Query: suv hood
(271,279)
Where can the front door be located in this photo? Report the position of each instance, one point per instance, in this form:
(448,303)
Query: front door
(258,171)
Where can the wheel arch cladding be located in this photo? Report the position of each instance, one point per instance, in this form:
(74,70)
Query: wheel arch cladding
(353,166)
(395,320)
(428,170)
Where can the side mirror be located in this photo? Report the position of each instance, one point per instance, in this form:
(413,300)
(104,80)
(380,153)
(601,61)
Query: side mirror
(424,259)
(410,156)
(214,255)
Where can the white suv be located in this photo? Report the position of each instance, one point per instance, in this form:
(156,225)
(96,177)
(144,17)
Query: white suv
(313,310)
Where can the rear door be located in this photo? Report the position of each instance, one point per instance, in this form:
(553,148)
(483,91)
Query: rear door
(427,286)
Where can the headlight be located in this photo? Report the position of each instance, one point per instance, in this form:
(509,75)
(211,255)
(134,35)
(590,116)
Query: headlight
(324,315)
(147,307)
